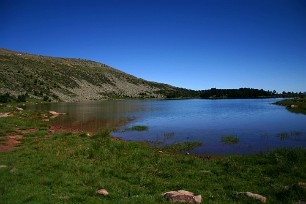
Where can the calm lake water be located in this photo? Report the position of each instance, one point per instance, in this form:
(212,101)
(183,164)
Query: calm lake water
(259,125)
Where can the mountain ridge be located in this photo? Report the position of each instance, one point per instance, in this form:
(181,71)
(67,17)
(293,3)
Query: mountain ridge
(72,79)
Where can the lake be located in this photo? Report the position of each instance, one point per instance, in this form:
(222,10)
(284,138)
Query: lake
(259,125)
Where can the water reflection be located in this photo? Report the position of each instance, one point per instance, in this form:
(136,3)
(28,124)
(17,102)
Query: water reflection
(91,116)
(259,125)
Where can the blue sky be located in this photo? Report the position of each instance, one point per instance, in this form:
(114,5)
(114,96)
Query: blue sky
(195,44)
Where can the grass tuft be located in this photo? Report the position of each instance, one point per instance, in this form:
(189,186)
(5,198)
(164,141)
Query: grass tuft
(138,128)
(230,139)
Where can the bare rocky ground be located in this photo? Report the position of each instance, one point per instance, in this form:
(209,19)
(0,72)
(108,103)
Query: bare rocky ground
(122,88)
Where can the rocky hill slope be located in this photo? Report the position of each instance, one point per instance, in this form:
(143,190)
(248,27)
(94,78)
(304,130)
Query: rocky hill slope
(68,79)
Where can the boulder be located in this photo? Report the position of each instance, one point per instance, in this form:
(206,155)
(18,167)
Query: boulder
(102,192)
(55,114)
(182,196)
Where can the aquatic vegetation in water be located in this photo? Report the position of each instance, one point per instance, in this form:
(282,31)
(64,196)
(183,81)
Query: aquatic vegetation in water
(286,135)
(138,128)
(230,139)
(168,135)
(133,128)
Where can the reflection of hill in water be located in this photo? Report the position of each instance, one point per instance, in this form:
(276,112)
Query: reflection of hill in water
(92,116)
(90,125)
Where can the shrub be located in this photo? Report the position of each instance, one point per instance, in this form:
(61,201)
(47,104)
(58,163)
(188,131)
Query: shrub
(21,98)
(5,98)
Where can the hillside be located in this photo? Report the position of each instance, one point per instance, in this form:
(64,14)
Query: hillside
(68,79)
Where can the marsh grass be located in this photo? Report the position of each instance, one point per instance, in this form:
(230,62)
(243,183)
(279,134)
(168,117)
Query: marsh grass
(286,135)
(70,167)
(168,135)
(230,139)
(138,128)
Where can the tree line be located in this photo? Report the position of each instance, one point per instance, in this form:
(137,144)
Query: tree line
(215,93)
(236,93)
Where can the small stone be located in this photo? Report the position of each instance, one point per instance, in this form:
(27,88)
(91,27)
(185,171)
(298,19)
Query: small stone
(20,109)
(3,166)
(102,192)
(182,196)
(55,114)
(255,196)
(160,152)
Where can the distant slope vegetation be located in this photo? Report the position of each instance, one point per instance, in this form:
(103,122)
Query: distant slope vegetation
(25,75)
(67,79)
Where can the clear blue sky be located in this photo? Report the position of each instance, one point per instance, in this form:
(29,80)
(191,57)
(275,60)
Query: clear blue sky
(195,44)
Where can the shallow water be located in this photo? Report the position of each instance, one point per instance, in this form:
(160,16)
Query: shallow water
(259,125)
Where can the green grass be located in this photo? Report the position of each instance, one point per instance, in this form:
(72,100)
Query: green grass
(9,124)
(138,128)
(183,146)
(70,167)
(2,140)
(2,134)
(299,104)
(230,139)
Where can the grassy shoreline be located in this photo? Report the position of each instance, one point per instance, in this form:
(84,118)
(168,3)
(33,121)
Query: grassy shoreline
(295,105)
(51,167)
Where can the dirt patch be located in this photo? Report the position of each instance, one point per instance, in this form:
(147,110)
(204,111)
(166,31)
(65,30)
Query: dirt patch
(10,144)
(4,115)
